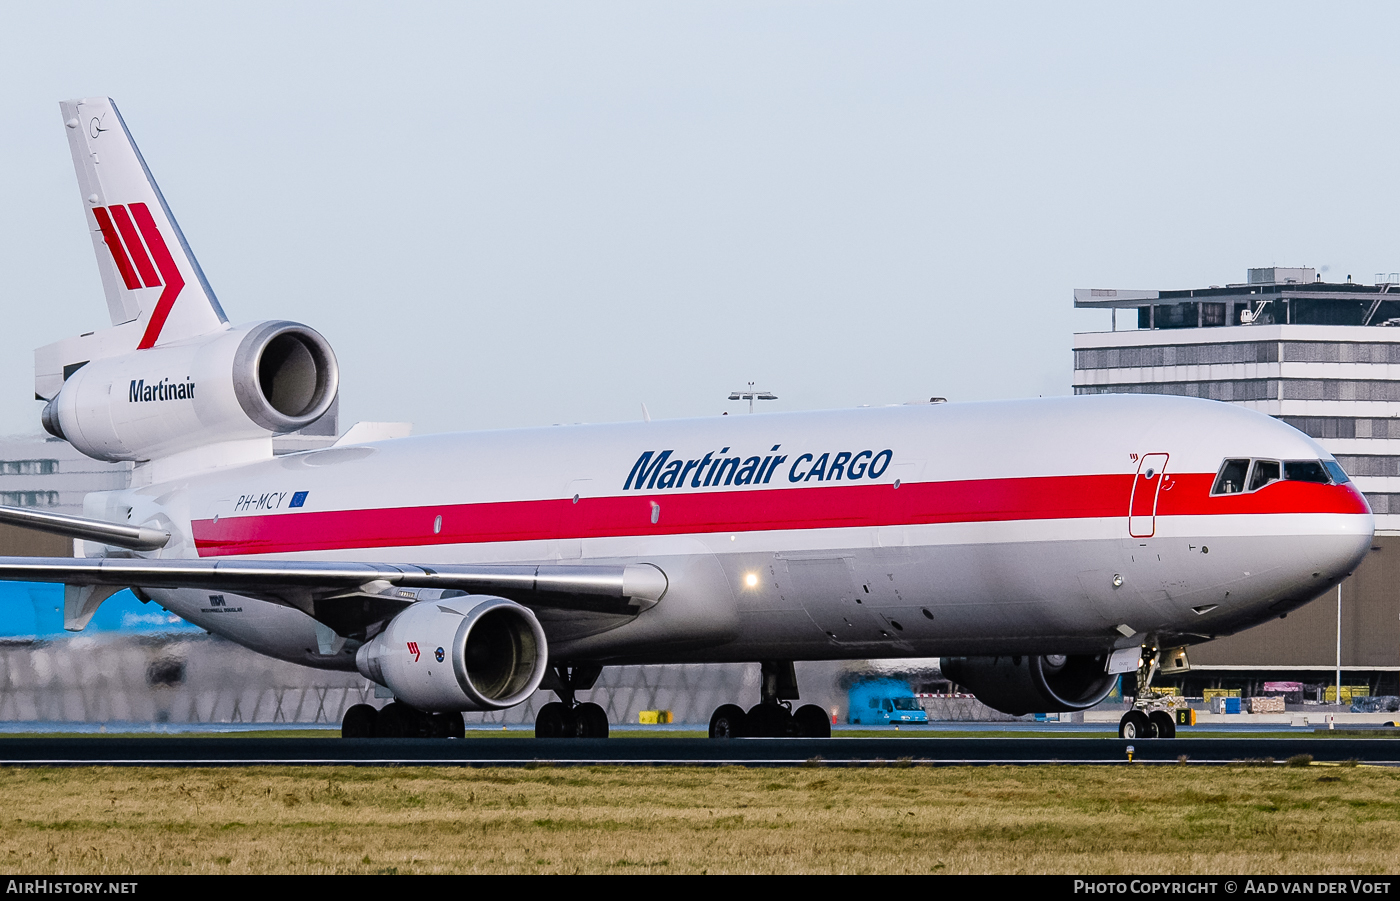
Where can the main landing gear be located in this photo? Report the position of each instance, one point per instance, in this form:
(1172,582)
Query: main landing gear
(566,718)
(1152,715)
(773,717)
(398,720)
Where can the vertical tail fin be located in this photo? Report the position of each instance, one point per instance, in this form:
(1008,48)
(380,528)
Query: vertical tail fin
(148,271)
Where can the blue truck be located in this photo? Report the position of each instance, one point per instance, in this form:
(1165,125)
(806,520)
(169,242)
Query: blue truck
(884,702)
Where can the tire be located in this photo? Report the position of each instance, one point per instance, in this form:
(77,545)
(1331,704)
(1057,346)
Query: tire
(769,721)
(394,721)
(1165,725)
(447,725)
(592,721)
(554,721)
(810,722)
(729,721)
(1135,724)
(359,722)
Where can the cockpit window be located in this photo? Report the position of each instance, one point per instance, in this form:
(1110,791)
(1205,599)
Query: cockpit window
(1231,478)
(1264,472)
(1306,471)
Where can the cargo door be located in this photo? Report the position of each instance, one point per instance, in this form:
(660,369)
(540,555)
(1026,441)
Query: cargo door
(1142,504)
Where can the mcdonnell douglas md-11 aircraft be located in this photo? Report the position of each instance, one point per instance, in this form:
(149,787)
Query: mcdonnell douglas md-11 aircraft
(1041,548)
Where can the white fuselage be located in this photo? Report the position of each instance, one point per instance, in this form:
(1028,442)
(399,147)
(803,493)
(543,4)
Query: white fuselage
(1065,525)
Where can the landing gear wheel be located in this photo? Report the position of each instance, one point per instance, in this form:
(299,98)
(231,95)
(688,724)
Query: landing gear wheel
(448,725)
(592,721)
(1135,724)
(769,721)
(394,721)
(359,722)
(554,721)
(811,722)
(1165,725)
(728,722)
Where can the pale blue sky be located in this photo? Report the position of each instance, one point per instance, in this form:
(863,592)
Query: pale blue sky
(518,214)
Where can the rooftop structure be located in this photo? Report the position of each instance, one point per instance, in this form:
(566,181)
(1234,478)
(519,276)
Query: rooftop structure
(1323,357)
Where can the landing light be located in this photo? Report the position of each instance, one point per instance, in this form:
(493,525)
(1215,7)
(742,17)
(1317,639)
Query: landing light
(751,579)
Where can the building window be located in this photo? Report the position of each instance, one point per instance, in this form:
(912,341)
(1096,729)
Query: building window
(1341,389)
(1383,503)
(29,498)
(28,467)
(1233,390)
(1176,355)
(1345,426)
(1369,464)
(1340,352)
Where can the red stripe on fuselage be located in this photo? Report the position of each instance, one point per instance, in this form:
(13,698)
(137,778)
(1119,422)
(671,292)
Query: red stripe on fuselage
(168,270)
(752,510)
(114,244)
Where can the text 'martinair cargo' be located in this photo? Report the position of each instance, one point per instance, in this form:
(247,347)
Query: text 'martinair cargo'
(657,470)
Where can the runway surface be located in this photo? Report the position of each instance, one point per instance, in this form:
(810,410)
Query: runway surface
(333,751)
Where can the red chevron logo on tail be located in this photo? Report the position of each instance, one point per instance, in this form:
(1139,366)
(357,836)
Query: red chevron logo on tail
(142,258)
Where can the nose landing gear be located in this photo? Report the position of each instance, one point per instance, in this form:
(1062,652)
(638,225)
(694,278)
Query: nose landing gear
(1152,715)
(773,716)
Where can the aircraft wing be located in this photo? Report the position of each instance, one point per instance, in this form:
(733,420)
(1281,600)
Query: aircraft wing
(347,595)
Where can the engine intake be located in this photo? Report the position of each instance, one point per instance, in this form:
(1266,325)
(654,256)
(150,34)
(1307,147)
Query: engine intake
(466,653)
(1049,683)
(284,376)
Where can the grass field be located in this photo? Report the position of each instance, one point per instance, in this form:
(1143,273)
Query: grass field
(1152,820)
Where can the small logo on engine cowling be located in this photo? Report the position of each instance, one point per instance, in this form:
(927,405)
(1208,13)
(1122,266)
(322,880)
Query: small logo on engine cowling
(439,654)
(413,649)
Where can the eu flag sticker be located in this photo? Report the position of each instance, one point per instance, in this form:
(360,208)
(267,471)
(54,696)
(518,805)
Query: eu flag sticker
(298,499)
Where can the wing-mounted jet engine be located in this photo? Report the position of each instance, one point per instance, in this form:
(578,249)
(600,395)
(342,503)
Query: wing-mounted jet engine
(171,375)
(1047,683)
(465,653)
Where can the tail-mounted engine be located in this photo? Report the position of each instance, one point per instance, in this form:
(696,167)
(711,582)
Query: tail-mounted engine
(465,653)
(238,383)
(1051,683)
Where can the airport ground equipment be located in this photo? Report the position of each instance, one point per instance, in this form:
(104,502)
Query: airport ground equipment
(881,702)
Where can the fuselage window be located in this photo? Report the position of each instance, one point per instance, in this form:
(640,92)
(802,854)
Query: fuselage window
(1306,471)
(1264,472)
(1231,478)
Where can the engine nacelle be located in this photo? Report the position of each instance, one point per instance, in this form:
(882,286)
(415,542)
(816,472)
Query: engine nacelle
(246,382)
(465,653)
(1051,683)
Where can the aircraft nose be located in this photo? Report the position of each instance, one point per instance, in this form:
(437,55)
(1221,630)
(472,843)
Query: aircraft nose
(1343,543)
